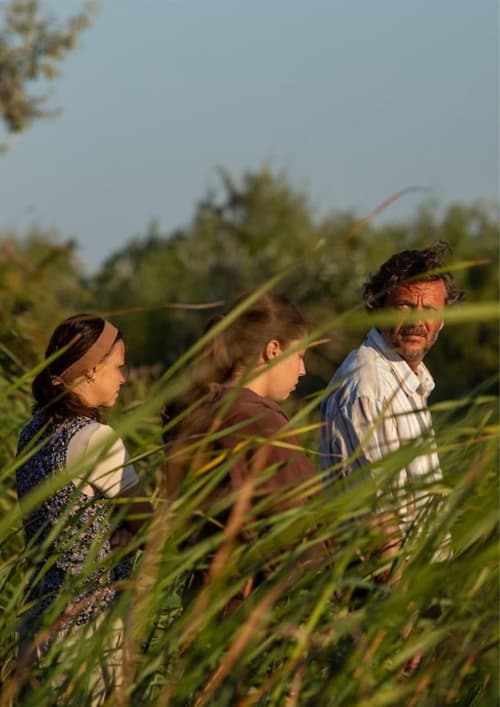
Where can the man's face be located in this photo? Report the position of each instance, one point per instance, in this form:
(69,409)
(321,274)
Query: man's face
(413,339)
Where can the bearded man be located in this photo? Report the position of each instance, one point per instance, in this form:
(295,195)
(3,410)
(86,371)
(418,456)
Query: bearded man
(378,398)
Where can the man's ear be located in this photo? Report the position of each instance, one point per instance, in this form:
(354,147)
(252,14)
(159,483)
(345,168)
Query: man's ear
(272,349)
(441,326)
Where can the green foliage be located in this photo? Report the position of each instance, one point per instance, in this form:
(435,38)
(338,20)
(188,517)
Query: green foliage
(262,226)
(329,636)
(41,282)
(32,44)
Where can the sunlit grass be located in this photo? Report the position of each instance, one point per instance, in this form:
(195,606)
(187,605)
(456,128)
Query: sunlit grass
(325,635)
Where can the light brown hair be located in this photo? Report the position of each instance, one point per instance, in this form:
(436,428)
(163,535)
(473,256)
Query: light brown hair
(237,347)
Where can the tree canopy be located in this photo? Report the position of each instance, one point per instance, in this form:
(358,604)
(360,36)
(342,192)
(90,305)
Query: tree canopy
(32,45)
(161,289)
(260,226)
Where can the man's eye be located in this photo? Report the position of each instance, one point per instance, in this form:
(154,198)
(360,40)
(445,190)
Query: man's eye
(403,307)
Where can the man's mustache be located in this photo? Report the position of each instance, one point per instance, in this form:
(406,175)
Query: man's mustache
(413,331)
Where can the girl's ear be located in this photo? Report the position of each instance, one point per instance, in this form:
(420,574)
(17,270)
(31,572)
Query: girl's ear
(272,349)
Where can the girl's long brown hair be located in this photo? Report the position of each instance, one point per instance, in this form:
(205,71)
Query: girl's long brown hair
(235,349)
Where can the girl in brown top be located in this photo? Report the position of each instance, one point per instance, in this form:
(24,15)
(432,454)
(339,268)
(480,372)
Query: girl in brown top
(253,361)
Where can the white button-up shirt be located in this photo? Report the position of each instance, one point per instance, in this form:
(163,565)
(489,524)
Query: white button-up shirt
(378,404)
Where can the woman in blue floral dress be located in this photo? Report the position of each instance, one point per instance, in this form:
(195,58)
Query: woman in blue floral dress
(70,533)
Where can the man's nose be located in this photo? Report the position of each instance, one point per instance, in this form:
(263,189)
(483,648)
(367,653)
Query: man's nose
(418,309)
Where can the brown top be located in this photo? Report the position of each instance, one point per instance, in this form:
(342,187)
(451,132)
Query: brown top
(253,430)
(260,442)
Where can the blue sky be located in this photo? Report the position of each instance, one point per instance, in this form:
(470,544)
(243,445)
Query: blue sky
(353,99)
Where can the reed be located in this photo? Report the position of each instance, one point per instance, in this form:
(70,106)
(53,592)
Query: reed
(328,635)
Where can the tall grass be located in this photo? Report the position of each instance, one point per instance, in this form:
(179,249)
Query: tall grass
(325,635)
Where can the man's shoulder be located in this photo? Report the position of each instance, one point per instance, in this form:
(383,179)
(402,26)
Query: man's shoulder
(365,372)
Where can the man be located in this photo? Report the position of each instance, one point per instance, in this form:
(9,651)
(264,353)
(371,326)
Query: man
(379,394)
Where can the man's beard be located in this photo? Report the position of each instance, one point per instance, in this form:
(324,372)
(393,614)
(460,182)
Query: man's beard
(411,355)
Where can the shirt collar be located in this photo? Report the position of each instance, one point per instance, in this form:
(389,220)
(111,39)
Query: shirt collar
(419,381)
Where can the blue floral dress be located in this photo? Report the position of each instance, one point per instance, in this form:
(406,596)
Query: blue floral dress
(71,528)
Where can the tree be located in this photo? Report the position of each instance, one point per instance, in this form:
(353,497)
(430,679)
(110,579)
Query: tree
(41,282)
(32,45)
(261,225)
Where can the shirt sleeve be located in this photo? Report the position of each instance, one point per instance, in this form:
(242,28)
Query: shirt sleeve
(375,428)
(359,432)
(111,474)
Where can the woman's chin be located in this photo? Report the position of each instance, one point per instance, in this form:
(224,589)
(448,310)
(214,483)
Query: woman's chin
(109,403)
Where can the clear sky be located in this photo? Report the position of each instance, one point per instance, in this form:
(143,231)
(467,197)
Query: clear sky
(353,99)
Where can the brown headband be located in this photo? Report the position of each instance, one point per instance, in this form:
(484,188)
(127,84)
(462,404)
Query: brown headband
(99,349)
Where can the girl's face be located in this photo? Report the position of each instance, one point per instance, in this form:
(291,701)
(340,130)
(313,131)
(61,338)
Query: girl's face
(284,375)
(101,387)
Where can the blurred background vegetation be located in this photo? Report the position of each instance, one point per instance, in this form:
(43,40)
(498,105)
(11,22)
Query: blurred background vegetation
(253,226)
(309,646)
(257,226)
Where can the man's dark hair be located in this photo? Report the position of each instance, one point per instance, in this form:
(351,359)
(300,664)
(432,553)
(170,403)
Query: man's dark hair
(411,266)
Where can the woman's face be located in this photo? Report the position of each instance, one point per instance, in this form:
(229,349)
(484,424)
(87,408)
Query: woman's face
(102,385)
(284,375)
